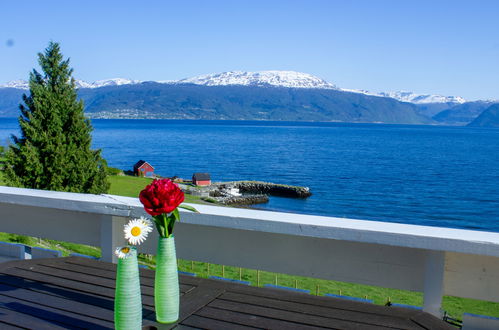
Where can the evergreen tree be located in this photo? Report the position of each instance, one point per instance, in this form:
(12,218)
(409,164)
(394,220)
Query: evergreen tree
(53,151)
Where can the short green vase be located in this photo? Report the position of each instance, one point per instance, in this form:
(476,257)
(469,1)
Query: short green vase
(166,288)
(127,300)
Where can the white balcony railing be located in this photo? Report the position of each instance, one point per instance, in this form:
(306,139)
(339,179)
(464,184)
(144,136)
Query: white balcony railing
(432,260)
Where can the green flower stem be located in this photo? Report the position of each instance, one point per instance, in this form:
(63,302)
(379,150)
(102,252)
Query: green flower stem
(166,222)
(165,225)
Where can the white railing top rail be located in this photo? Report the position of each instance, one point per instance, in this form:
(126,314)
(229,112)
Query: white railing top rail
(386,233)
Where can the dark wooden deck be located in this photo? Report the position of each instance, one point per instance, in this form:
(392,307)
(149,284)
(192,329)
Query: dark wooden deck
(74,293)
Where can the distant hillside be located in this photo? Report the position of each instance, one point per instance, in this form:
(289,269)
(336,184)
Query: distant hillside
(488,118)
(189,101)
(233,102)
(431,109)
(461,114)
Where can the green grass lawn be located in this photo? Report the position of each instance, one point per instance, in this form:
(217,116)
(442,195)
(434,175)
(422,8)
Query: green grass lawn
(131,186)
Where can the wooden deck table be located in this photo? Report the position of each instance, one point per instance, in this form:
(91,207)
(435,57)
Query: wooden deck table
(77,293)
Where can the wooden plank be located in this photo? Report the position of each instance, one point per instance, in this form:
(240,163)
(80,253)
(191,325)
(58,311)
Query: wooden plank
(361,315)
(184,280)
(430,322)
(107,270)
(252,320)
(93,289)
(191,280)
(195,300)
(81,277)
(60,269)
(185,327)
(10,264)
(54,290)
(107,274)
(311,299)
(67,282)
(27,321)
(165,326)
(50,314)
(5,326)
(92,263)
(57,302)
(147,273)
(298,318)
(213,324)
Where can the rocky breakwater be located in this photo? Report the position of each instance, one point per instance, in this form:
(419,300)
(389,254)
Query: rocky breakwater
(272,189)
(242,200)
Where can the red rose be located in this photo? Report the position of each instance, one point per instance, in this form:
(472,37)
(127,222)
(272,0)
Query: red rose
(161,196)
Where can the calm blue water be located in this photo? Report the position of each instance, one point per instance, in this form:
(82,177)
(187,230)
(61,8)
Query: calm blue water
(439,176)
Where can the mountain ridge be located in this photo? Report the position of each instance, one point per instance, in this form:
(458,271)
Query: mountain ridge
(191,101)
(264,95)
(273,78)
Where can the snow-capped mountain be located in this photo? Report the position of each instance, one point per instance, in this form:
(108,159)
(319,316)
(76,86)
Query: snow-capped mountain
(23,84)
(411,97)
(107,82)
(82,84)
(20,84)
(290,79)
(113,82)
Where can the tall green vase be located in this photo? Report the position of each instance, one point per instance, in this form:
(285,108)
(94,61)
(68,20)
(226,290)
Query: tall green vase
(127,300)
(166,288)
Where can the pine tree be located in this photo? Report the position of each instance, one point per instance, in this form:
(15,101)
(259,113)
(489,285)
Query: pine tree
(54,149)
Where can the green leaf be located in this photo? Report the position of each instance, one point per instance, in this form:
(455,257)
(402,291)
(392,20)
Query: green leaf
(176,214)
(166,224)
(188,207)
(171,222)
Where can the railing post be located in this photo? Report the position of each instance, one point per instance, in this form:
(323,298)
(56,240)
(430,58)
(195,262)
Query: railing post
(434,282)
(111,236)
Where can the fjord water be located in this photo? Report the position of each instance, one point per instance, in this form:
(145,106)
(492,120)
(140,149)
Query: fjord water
(428,175)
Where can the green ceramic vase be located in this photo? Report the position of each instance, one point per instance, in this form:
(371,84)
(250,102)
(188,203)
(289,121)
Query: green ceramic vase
(127,301)
(166,288)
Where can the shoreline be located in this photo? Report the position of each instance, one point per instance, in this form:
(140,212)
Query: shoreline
(244,192)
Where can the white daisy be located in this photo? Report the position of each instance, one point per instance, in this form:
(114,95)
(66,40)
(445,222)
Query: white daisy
(136,230)
(147,222)
(123,252)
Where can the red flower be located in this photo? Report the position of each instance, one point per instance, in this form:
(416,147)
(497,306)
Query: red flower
(161,196)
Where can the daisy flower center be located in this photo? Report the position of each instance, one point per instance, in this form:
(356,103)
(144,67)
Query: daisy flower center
(135,231)
(125,249)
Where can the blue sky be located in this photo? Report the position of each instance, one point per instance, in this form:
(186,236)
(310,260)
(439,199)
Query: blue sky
(442,47)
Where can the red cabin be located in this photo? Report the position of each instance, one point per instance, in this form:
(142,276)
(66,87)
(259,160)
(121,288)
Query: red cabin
(143,168)
(201,179)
